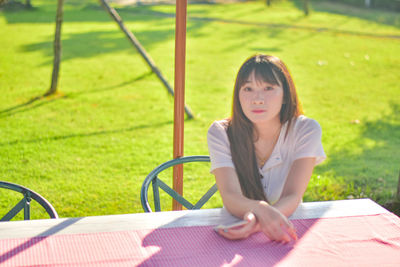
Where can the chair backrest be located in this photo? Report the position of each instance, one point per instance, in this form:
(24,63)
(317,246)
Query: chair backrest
(157,183)
(25,202)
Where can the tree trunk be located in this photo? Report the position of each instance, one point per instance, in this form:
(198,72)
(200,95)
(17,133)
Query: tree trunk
(57,49)
(268,2)
(28,3)
(306,7)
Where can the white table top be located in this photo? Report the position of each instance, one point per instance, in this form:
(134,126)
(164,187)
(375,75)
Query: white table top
(110,223)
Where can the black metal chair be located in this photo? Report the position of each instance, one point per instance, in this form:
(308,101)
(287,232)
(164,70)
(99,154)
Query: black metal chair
(157,183)
(25,202)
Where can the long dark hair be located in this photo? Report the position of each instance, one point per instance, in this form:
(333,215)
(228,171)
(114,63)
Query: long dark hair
(240,129)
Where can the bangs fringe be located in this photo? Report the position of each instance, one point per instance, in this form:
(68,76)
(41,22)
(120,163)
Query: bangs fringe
(263,72)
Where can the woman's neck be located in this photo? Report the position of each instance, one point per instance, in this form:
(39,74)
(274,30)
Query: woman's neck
(268,131)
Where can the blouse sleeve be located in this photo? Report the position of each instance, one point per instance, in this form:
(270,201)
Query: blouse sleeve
(308,141)
(218,147)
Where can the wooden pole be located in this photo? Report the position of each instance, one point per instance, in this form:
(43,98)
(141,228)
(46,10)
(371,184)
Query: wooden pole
(135,42)
(180,50)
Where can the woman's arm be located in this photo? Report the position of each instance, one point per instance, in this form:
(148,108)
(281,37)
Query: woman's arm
(260,215)
(231,193)
(272,220)
(295,185)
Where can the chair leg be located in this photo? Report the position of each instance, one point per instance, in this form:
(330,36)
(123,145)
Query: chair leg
(27,206)
(156,194)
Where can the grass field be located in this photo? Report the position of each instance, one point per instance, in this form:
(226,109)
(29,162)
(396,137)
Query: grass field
(88,149)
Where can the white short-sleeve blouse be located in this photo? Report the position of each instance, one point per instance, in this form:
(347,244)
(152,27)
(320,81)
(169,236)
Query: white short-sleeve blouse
(303,141)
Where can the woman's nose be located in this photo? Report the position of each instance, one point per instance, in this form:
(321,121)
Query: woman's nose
(258,99)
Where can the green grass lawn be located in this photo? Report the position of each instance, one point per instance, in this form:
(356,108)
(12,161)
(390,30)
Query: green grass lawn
(88,149)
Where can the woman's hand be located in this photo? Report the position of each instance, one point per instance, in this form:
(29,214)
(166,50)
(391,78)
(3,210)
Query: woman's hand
(274,224)
(262,216)
(241,232)
(269,220)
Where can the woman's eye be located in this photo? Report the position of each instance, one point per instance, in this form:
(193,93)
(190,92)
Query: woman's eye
(269,88)
(247,89)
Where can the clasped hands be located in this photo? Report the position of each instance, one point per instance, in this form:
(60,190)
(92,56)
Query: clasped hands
(268,220)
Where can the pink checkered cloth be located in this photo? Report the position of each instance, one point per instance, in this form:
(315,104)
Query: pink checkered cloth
(372,240)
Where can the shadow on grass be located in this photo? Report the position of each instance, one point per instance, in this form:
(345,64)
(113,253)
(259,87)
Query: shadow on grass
(39,101)
(79,135)
(95,43)
(141,77)
(372,170)
(271,34)
(46,13)
(99,42)
(32,103)
(379,16)
(299,27)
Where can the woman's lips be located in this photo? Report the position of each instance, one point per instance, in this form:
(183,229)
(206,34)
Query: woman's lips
(258,111)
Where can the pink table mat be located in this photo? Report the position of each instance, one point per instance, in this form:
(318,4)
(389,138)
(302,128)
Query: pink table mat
(372,240)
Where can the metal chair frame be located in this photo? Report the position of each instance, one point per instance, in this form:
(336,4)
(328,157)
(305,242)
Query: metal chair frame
(25,202)
(157,183)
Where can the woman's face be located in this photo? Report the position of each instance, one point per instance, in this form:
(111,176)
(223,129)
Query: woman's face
(261,101)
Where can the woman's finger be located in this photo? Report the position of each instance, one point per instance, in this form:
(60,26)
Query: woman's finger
(276,233)
(232,234)
(240,232)
(289,228)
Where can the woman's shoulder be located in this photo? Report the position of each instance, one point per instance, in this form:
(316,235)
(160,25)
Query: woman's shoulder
(217,131)
(219,125)
(303,123)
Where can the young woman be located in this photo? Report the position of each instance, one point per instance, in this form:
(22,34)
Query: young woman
(264,154)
